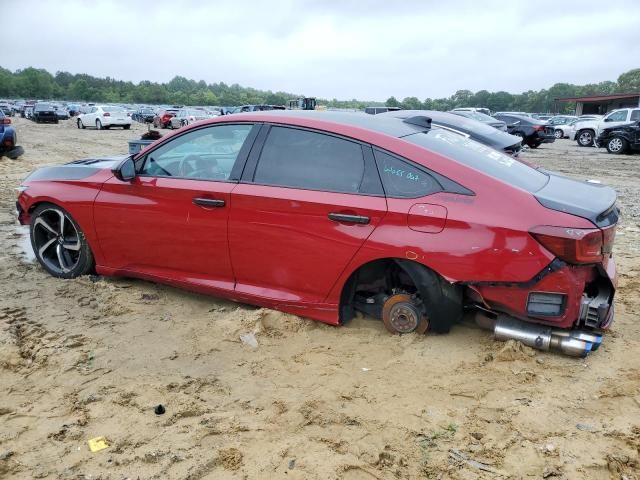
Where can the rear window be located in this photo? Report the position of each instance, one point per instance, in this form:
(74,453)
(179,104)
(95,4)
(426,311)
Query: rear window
(480,157)
(113,109)
(469,124)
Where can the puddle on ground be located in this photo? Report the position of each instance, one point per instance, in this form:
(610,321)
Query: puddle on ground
(23,240)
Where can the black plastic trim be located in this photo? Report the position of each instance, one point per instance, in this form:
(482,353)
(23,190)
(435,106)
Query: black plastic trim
(554,266)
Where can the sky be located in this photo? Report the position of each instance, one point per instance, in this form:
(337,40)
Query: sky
(368,49)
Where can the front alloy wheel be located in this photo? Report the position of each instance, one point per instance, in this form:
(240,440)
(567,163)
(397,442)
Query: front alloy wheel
(58,243)
(585,138)
(558,134)
(617,145)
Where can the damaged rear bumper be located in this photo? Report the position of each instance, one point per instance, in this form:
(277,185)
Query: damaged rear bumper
(577,301)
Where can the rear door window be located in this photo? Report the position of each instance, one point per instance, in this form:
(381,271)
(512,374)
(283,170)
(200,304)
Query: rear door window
(635,116)
(310,160)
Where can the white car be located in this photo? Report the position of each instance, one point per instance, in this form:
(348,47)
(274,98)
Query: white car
(104,117)
(486,111)
(587,131)
(561,124)
(187,116)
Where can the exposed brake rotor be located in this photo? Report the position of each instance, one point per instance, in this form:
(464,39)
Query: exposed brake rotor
(400,314)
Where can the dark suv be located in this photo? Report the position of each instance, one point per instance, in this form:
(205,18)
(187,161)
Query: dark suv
(44,113)
(621,138)
(532,131)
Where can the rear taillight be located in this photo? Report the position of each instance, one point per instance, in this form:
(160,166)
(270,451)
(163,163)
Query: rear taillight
(106,114)
(575,245)
(608,236)
(8,142)
(540,128)
(6,121)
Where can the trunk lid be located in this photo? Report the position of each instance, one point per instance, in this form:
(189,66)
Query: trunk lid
(593,201)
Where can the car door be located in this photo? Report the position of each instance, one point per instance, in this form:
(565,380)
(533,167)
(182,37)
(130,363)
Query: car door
(90,118)
(614,119)
(171,220)
(306,203)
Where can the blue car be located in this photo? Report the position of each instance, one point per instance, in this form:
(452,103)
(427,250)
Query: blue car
(8,139)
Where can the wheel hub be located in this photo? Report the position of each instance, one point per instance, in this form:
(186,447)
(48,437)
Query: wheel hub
(401,314)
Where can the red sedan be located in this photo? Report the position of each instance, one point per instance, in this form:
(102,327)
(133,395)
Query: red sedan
(321,214)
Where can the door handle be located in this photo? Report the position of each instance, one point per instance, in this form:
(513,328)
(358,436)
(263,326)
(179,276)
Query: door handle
(347,218)
(208,202)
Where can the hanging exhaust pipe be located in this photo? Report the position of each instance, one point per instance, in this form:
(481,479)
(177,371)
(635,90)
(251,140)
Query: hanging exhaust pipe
(575,343)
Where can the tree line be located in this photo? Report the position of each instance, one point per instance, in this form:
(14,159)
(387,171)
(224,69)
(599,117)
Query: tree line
(36,83)
(529,101)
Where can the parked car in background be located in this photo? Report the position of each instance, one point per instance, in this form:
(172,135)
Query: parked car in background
(481,117)
(620,138)
(61,112)
(520,114)
(187,116)
(376,110)
(486,111)
(532,131)
(162,118)
(466,127)
(28,112)
(586,131)
(6,109)
(542,116)
(8,139)
(259,108)
(561,125)
(44,113)
(561,119)
(143,115)
(104,117)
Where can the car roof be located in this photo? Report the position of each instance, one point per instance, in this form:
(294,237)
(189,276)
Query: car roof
(382,123)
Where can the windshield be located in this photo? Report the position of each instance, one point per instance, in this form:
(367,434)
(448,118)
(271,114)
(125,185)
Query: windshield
(480,157)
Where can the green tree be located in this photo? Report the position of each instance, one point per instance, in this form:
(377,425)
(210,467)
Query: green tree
(392,102)
(629,82)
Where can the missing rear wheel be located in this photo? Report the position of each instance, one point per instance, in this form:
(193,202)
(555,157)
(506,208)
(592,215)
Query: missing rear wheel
(401,314)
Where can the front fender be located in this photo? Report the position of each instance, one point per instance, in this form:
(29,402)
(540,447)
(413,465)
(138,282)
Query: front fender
(76,198)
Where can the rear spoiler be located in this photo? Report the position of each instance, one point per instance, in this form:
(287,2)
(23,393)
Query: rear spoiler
(420,121)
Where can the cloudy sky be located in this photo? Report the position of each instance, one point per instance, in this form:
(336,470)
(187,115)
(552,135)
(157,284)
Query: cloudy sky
(331,49)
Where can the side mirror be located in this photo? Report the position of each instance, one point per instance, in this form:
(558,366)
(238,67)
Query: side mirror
(607,119)
(125,171)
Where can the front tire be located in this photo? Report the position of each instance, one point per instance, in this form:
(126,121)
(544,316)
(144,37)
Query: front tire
(617,145)
(558,134)
(58,242)
(585,138)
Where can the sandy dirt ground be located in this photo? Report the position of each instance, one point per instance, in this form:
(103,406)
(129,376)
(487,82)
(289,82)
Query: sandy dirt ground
(93,356)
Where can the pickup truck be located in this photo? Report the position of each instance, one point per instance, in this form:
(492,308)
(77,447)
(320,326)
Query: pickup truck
(587,132)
